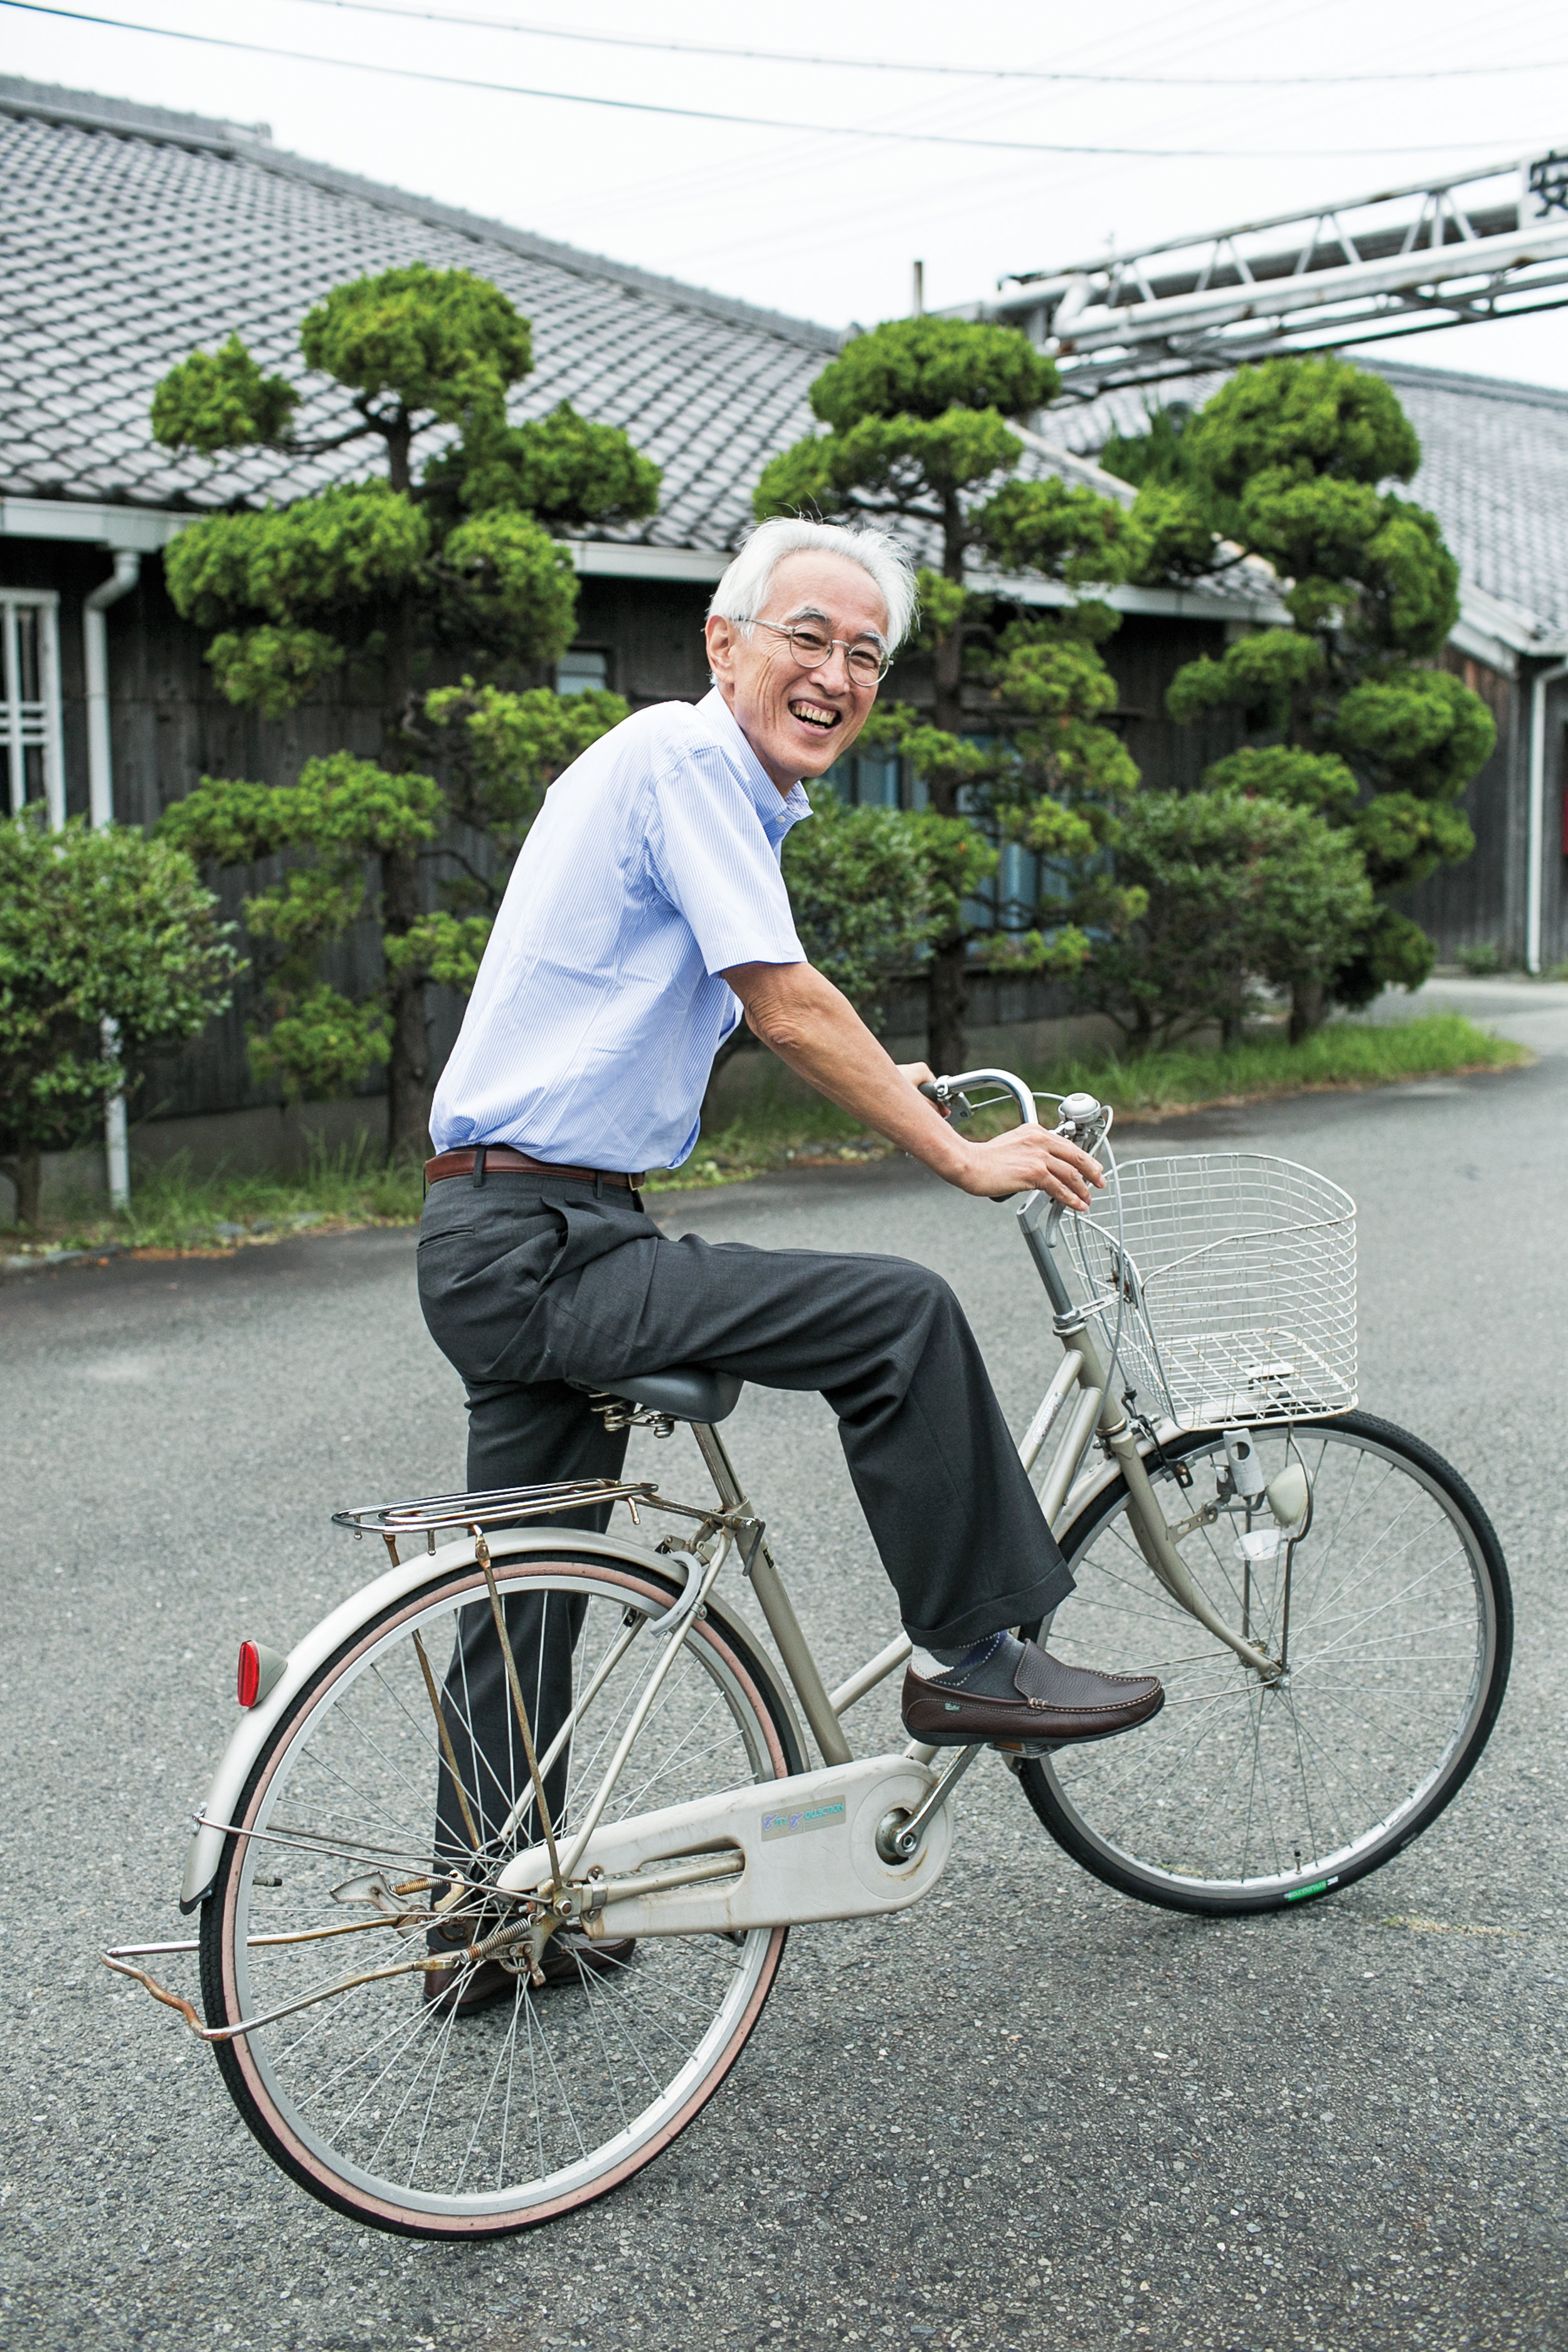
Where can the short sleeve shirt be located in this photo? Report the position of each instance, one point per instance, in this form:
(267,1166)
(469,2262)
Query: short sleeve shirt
(652,868)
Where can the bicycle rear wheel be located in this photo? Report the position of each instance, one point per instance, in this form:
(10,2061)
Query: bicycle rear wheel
(426,2120)
(1240,1797)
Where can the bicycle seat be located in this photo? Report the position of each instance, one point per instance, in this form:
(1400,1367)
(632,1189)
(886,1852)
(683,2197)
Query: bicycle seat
(690,1392)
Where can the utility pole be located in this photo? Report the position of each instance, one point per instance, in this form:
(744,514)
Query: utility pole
(917,291)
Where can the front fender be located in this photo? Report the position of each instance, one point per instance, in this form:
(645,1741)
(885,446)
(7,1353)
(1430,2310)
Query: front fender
(1101,1470)
(319,1644)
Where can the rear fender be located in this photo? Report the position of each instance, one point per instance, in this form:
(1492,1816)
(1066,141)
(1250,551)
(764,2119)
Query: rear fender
(324,1640)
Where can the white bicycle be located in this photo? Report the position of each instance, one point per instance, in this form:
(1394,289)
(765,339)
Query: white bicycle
(1321,1595)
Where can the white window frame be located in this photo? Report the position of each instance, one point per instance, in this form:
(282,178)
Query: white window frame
(32,725)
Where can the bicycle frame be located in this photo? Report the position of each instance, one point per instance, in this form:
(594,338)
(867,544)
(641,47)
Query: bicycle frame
(495,2037)
(753,1857)
(723,1875)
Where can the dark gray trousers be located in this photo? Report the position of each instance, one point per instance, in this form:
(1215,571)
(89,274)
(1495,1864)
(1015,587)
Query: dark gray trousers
(530,1285)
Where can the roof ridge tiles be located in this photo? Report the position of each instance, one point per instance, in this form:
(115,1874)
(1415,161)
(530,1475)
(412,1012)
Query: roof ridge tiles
(56,103)
(1484,387)
(250,143)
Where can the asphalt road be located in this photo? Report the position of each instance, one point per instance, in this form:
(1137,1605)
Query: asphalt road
(950,2127)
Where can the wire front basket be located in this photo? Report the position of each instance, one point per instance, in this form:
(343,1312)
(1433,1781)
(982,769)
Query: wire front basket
(1225,1283)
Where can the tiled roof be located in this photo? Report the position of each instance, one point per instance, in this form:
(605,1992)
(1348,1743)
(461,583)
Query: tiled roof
(1494,471)
(131,235)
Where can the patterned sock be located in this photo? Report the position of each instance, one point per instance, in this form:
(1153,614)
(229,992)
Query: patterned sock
(986,1669)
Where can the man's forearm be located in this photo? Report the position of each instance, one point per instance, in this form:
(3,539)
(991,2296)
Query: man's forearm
(816,1029)
(813,1027)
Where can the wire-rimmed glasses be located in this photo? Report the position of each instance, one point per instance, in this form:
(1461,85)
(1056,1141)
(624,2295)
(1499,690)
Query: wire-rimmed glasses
(867,664)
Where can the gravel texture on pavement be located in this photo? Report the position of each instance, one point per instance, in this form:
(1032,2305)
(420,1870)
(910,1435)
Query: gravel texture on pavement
(1027,2112)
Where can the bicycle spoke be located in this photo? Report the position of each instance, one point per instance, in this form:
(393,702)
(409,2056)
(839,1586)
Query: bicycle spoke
(507,2097)
(1240,1782)
(1301,1765)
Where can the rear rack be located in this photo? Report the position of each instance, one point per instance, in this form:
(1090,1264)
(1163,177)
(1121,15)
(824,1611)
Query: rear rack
(503,1506)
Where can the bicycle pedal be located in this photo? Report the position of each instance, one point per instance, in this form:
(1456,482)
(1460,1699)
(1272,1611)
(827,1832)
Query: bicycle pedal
(1020,1751)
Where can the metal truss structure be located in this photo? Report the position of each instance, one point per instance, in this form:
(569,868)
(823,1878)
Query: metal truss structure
(1481,244)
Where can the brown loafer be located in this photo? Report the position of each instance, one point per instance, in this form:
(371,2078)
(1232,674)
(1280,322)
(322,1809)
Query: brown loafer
(1055,1703)
(568,1957)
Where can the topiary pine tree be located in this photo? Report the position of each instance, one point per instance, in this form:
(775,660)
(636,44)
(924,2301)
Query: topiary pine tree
(1345,713)
(418,567)
(916,415)
(94,925)
(1237,891)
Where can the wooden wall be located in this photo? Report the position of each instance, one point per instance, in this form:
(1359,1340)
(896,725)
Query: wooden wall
(1481,902)
(1144,657)
(1554,926)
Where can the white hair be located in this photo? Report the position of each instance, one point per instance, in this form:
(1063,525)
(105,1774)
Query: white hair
(743,590)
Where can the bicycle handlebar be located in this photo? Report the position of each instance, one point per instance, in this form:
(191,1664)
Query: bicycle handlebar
(1084,1121)
(942,1091)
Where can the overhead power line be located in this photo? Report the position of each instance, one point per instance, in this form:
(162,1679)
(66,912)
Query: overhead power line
(747,122)
(946,72)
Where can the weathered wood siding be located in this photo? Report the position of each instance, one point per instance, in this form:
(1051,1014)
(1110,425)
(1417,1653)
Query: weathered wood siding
(1554,831)
(1481,902)
(1144,657)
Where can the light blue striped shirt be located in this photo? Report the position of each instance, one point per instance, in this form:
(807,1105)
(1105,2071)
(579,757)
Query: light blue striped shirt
(652,867)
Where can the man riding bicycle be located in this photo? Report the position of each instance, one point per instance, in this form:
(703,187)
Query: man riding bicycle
(645,912)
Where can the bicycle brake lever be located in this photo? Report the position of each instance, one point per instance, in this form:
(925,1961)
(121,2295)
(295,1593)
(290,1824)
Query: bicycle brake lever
(955,1107)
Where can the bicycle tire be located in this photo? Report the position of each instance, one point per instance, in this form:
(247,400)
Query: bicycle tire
(1154,1815)
(309,2113)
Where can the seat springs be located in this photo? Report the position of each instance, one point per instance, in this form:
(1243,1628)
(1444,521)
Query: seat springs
(620,1413)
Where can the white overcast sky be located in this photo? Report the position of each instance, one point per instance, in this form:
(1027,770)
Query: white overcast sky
(826,226)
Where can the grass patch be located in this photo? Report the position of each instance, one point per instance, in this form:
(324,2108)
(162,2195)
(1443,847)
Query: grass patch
(1343,1054)
(172,1209)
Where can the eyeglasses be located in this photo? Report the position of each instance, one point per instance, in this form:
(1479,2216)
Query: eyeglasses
(812,646)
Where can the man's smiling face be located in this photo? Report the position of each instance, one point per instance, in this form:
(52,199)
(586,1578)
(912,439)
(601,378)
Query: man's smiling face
(799,720)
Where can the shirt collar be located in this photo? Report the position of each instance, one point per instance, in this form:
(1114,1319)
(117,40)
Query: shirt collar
(777,811)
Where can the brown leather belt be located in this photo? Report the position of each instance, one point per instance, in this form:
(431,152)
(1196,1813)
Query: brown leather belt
(501,1159)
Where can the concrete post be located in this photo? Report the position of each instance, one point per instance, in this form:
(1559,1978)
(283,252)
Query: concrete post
(100,804)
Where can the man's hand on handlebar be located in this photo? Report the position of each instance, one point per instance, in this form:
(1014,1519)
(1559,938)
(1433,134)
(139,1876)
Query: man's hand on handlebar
(1031,1160)
(1025,1160)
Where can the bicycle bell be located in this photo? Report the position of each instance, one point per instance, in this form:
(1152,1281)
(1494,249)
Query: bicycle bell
(1083,1121)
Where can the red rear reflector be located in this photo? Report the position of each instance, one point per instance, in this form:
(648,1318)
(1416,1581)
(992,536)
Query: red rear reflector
(249,1673)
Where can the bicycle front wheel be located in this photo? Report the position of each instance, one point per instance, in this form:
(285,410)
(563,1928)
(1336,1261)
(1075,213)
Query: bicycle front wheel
(414,2114)
(1395,1617)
